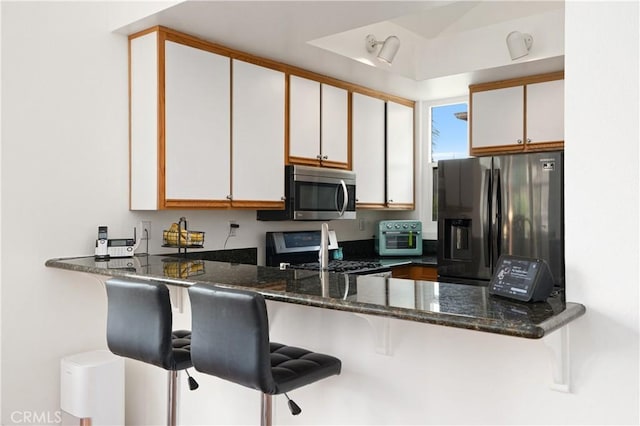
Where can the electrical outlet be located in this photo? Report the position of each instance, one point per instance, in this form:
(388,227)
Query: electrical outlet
(146,230)
(233,227)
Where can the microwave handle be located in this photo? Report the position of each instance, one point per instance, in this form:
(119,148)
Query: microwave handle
(345,201)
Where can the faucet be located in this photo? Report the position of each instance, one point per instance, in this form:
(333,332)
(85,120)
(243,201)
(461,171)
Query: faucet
(323,254)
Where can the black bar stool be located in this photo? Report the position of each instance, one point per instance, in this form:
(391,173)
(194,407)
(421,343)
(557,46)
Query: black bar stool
(139,322)
(230,340)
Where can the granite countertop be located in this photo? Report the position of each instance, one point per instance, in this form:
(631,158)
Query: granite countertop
(451,305)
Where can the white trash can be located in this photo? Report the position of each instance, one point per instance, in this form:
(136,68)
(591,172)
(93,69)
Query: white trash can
(92,387)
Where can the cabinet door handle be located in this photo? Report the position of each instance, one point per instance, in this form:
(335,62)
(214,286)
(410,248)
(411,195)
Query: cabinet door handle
(283,198)
(319,157)
(325,157)
(229,197)
(519,141)
(390,201)
(528,140)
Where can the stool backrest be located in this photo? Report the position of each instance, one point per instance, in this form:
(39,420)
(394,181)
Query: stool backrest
(139,321)
(230,336)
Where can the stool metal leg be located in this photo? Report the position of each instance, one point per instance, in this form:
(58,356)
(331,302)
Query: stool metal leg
(265,415)
(172,397)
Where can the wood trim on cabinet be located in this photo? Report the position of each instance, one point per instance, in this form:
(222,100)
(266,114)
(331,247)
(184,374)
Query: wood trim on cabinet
(161,123)
(521,81)
(196,204)
(350,131)
(401,206)
(287,111)
(261,205)
(370,206)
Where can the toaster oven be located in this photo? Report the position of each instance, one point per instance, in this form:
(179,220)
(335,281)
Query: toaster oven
(399,238)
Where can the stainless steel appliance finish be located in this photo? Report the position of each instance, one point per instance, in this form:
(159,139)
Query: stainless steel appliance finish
(316,193)
(487,206)
(399,238)
(300,249)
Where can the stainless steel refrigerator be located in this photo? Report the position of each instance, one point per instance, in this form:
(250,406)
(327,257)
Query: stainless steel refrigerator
(487,206)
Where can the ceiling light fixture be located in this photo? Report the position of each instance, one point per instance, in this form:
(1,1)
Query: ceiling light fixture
(519,44)
(389,47)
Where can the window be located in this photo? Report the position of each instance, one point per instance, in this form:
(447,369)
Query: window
(449,134)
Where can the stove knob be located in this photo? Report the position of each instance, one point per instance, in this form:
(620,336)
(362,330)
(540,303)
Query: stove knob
(397,226)
(405,226)
(414,226)
(389,226)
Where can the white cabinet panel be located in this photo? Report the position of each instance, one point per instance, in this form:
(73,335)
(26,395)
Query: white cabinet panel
(197,124)
(545,112)
(257,132)
(497,117)
(368,139)
(144,123)
(334,124)
(304,117)
(400,156)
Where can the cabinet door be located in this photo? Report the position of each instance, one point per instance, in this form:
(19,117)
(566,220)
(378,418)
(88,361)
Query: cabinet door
(334,139)
(304,118)
(545,112)
(497,117)
(197,124)
(400,156)
(368,139)
(257,133)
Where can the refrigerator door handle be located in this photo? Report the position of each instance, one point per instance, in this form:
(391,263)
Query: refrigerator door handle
(497,224)
(486,223)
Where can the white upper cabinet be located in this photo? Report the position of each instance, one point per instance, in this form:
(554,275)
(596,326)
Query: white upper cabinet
(335,117)
(318,123)
(400,156)
(545,112)
(304,118)
(368,139)
(192,145)
(258,133)
(197,123)
(212,128)
(518,115)
(497,117)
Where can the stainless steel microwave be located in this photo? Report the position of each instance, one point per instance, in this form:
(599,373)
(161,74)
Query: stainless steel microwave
(399,238)
(316,193)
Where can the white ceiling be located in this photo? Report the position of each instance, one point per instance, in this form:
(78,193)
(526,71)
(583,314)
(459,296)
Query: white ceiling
(445,45)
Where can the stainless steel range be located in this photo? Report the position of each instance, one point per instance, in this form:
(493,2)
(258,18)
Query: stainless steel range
(299,250)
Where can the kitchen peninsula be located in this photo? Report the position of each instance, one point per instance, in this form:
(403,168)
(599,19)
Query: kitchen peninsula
(449,305)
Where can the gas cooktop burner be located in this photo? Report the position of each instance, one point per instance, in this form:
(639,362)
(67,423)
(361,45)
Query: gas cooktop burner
(340,266)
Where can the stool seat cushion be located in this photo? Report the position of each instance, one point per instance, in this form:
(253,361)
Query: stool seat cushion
(294,367)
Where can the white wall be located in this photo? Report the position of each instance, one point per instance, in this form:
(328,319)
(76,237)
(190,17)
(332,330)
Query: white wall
(64,100)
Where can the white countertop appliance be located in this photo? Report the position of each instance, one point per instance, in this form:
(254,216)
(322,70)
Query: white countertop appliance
(399,238)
